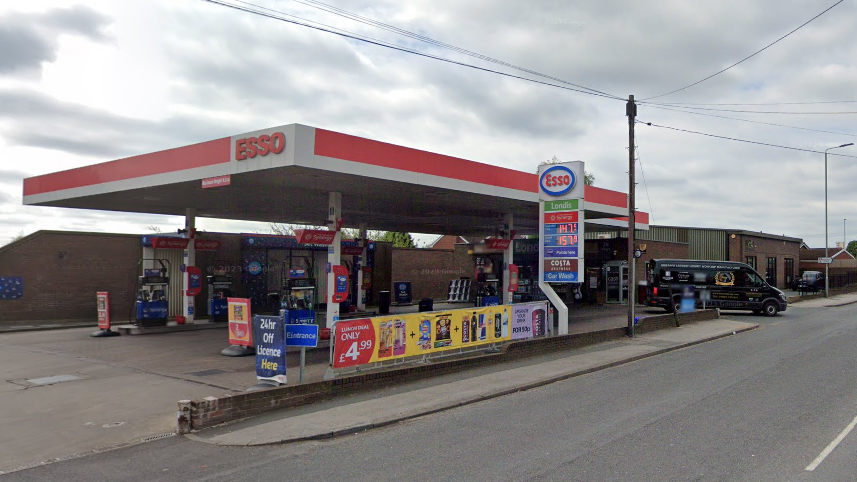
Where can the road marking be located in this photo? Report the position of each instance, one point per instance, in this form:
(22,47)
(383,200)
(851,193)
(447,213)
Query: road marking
(824,453)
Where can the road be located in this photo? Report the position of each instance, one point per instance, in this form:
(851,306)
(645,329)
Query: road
(762,406)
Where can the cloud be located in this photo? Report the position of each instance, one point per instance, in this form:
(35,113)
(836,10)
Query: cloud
(30,39)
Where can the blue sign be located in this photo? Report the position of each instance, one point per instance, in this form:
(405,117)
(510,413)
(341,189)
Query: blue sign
(300,317)
(561,277)
(562,240)
(342,284)
(297,273)
(557,181)
(269,339)
(302,335)
(11,288)
(254,268)
(403,292)
(557,252)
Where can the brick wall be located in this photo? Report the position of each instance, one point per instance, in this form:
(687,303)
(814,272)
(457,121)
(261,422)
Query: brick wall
(214,411)
(744,245)
(429,270)
(62,271)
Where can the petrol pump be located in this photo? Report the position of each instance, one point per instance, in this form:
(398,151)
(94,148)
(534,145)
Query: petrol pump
(298,302)
(153,288)
(219,290)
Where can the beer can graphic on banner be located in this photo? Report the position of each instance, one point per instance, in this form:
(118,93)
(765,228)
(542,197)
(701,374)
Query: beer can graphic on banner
(465,329)
(473,327)
(483,330)
(504,332)
(498,325)
(399,345)
(538,322)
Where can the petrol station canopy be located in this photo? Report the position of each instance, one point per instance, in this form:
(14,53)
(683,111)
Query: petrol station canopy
(285,174)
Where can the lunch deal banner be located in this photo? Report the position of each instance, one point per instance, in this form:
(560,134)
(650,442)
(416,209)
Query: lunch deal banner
(370,340)
(238,310)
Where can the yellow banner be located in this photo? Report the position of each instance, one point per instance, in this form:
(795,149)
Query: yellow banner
(415,334)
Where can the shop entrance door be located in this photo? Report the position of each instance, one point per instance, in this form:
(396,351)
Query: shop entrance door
(616,281)
(771,272)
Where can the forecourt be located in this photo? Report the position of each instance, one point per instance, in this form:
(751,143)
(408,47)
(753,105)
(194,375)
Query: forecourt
(306,175)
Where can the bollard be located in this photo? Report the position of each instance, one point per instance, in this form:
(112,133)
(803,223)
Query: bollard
(183,425)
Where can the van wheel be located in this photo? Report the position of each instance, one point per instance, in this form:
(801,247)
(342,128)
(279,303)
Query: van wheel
(770,309)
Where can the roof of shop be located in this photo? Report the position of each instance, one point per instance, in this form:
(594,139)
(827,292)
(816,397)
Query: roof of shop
(387,186)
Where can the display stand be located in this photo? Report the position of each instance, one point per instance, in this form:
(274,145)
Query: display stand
(459,291)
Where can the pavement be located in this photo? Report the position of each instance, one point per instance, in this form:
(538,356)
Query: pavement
(342,417)
(67,394)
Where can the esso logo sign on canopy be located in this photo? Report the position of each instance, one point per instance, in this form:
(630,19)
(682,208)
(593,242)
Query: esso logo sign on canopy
(557,181)
(263,145)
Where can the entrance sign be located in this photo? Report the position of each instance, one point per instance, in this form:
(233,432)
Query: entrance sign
(302,335)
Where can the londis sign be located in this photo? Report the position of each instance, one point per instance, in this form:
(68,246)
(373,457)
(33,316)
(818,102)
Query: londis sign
(263,145)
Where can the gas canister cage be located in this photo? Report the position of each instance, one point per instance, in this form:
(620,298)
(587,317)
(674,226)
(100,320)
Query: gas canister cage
(714,284)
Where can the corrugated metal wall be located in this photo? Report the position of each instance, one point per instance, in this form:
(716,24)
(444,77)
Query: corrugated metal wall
(708,244)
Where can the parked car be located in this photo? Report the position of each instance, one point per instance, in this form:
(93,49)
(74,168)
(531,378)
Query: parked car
(810,281)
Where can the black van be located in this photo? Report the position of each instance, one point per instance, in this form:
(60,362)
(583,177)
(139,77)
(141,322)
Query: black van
(721,284)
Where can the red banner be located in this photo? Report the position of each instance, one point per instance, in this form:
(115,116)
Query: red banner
(354,344)
(340,285)
(216,181)
(498,244)
(314,236)
(565,217)
(351,251)
(170,243)
(103,304)
(206,244)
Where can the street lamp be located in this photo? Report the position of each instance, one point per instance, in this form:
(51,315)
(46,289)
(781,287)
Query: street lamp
(826,243)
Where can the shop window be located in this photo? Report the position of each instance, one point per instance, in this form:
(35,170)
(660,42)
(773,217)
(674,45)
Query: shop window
(751,260)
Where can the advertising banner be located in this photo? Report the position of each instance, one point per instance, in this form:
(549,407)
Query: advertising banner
(206,244)
(269,338)
(314,236)
(170,243)
(238,310)
(529,320)
(371,340)
(218,181)
(102,300)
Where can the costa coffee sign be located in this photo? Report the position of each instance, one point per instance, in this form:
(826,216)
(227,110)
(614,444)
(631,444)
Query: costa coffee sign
(314,236)
(263,145)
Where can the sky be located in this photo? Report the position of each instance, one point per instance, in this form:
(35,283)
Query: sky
(89,82)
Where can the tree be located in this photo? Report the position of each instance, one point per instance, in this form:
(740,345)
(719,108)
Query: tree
(852,248)
(588,177)
(399,240)
(17,237)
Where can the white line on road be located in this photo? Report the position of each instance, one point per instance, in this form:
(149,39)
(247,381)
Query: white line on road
(824,453)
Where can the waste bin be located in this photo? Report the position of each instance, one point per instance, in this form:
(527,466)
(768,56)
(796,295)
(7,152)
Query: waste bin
(426,304)
(642,291)
(383,302)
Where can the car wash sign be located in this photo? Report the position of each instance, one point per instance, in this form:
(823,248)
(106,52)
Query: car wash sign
(561,222)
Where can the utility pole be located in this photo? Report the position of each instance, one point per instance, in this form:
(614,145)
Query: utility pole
(631,112)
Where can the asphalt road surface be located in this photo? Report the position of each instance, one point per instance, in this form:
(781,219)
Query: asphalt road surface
(774,404)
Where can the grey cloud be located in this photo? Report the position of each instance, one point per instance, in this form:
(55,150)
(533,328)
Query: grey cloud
(30,39)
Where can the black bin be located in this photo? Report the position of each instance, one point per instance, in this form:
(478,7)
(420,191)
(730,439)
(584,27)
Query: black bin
(426,304)
(383,302)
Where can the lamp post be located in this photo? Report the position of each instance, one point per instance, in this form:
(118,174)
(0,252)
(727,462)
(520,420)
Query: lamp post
(826,242)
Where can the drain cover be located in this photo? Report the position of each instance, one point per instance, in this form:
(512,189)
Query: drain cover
(52,380)
(208,373)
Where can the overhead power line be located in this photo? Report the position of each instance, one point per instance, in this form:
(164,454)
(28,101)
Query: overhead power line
(368,21)
(751,111)
(763,103)
(752,121)
(747,57)
(650,124)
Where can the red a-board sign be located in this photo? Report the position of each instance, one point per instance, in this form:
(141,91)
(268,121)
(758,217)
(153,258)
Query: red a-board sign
(354,344)
(513,278)
(103,305)
(314,236)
